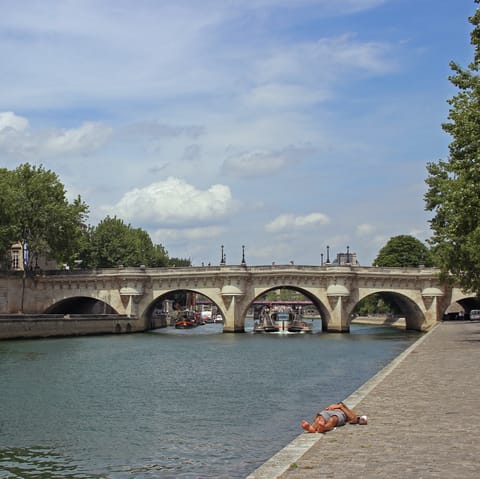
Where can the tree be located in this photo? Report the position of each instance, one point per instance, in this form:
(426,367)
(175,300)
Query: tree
(7,224)
(180,262)
(404,250)
(34,211)
(453,185)
(377,303)
(113,243)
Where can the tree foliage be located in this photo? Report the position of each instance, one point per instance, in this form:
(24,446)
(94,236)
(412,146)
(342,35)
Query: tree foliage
(113,243)
(377,303)
(404,250)
(179,262)
(454,185)
(34,211)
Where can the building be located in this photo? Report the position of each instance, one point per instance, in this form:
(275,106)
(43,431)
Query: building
(17,256)
(343,259)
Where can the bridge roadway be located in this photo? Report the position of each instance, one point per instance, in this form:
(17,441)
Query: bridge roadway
(137,292)
(423,420)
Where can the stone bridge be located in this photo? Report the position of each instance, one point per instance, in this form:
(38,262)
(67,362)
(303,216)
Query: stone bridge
(137,292)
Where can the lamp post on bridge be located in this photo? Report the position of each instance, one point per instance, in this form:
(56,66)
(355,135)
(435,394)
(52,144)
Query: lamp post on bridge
(328,254)
(244,263)
(222,259)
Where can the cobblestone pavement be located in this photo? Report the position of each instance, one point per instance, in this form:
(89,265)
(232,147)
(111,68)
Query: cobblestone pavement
(424,418)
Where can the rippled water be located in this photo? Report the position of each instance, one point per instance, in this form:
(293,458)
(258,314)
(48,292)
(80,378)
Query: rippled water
(172,403)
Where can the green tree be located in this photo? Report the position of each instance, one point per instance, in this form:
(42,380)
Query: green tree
(179,262)
(113,243)
(403,250)
(453,185)
(34,211)
(377,303)
(7,223)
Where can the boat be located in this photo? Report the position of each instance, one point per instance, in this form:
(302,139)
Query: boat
(284,321)
(186,320)
(298,325)
(265,323)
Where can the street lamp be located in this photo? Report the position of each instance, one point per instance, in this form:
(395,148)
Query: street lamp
(222,259)
(328,254)
(244,263)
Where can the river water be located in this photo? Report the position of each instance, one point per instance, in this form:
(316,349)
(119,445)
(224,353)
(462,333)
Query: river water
(171,403)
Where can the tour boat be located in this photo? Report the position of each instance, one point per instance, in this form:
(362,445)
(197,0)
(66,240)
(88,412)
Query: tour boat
(272,321)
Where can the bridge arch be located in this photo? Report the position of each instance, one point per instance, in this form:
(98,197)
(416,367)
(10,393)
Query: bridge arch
(408,306)
(461,306)
(80,305)
(155,306)
(317,303)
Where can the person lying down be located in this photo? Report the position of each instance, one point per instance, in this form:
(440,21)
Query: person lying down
(333,416)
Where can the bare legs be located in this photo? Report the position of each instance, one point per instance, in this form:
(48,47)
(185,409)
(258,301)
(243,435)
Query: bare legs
(307,426)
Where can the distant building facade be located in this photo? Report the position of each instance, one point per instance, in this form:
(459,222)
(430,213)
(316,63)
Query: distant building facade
(343,259)
(16,260)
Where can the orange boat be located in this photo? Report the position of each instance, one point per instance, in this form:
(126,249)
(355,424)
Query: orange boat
(187,320)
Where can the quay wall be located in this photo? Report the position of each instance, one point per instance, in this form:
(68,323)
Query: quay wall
(18,326)
(381,320)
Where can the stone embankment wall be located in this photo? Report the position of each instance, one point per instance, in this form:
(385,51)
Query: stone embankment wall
(380,320)
(18,326)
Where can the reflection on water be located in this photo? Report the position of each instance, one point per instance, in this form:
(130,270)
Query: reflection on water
(35,463)
(172,403)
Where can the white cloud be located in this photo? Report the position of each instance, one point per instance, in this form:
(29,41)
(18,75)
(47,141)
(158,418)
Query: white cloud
(156,129)
(287,222)
(274,95)
(164,235)
(261,162)
(255,163)
(18,140)
(380,240)
(10,121)
(341,6)
(345,52)
(420,233)
(324,7)
(365,229)
(193,55)
(321,62)
(87,138)
(174,202)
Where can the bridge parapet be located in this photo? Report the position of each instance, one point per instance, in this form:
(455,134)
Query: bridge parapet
(239,269)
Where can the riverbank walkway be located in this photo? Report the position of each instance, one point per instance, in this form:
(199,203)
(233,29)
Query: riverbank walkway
(424,418)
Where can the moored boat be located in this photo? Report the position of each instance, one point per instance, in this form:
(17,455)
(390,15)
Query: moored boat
(265,323)
(186,320)
(285,321)
(184,324)
(298,325)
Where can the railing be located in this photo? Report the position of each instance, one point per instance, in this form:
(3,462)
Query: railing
(238,269)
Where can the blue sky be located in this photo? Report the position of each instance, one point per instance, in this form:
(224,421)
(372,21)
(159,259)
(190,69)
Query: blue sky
(281,125)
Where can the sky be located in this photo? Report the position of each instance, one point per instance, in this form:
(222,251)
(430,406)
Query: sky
(280,126)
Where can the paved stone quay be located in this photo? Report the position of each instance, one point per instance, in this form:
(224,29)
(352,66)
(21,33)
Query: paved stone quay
(424,418)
